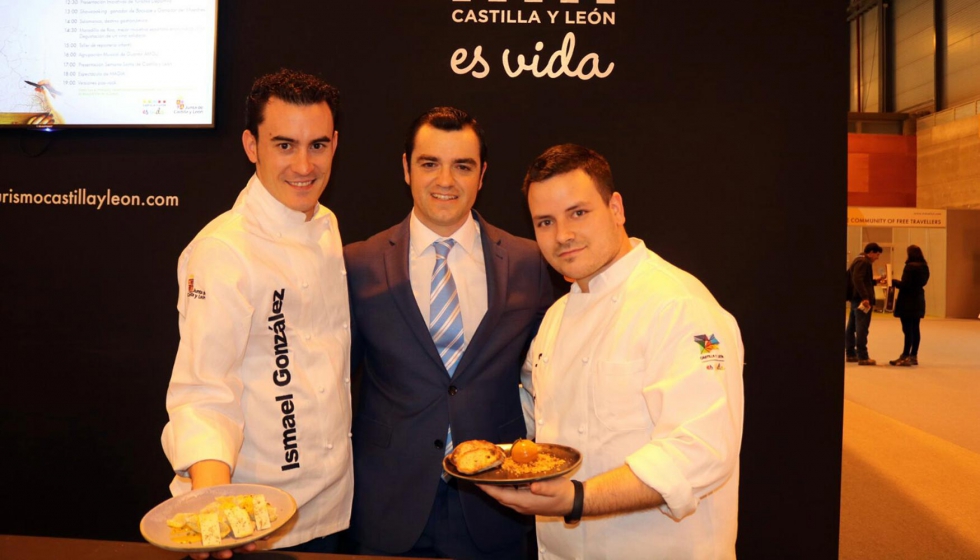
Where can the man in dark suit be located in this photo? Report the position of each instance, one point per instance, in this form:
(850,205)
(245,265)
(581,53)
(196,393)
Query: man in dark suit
(444,306)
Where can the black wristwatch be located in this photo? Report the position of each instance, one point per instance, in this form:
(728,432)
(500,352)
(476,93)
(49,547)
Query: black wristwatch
(578,503)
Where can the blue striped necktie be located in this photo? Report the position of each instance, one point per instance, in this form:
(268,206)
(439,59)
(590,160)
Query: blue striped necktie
(445,319)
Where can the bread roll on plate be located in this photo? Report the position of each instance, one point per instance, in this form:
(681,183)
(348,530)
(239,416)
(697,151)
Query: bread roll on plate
(475,456)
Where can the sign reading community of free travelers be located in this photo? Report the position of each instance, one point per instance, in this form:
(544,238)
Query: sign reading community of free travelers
(896,217)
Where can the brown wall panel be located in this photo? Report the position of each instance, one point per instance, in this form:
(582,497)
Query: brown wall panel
(881,170)
(963,264)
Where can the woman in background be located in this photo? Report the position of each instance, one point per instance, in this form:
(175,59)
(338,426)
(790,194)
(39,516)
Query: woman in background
(911,304)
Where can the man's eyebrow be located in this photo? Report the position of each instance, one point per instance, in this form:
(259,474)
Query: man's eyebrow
(322,139)
(572,208)
(426,157)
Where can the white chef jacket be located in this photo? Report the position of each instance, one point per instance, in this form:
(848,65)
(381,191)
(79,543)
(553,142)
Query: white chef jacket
(264,357)
(644,370)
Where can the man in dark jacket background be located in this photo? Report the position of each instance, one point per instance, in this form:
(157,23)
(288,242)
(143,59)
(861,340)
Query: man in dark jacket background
(862,302)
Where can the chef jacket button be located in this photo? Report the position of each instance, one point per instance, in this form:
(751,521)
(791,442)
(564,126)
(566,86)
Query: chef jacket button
(278,234)
(350,434)
(346,326)
(585,360)
(545,359)
(343,272)
(452,390)
(540,421)
(306,336)
(321,389)
(439,444)
(347,380)
(615,299)
(329,446)
(541,550)
(305,284)
(581,429)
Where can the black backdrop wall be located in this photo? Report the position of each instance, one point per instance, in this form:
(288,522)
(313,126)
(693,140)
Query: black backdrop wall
(724,125)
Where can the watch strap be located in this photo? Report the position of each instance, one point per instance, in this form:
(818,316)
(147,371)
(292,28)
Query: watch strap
(578,503)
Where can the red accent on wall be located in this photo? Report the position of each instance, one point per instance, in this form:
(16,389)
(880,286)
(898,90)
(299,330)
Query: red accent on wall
(881,170)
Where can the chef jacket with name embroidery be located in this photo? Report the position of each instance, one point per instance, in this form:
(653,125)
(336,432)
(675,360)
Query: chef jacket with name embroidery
(261,380)
(644,370)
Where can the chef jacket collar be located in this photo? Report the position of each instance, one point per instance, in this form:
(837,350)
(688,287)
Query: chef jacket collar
(277,217)
(617,273)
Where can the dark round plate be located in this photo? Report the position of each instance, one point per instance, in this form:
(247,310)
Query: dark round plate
(500,477)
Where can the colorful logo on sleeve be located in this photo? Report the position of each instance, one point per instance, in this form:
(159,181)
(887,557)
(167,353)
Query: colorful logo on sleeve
(707,343)
(710,349)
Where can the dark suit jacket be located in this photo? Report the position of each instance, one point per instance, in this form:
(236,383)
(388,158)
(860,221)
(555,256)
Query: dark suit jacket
(407,399)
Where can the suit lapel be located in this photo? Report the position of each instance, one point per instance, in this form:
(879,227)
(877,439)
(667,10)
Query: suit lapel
(496,261)
(400,286)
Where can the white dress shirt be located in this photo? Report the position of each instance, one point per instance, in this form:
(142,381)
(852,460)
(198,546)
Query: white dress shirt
(264,357)
(628,374)
(465,262)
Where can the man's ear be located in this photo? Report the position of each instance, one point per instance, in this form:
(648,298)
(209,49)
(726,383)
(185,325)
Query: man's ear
(617,208)
(405,168)
(249,142)
(482,173)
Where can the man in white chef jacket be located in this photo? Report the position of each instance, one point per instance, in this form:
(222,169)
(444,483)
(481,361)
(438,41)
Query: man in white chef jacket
(260,391)
(640,369)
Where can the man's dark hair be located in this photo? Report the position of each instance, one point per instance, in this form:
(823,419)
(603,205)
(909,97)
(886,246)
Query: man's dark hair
(565,158)
(290,86)
(872,248)
(449,119)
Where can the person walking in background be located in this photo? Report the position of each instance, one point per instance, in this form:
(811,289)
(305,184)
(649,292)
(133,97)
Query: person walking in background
(862,302)
(910,307)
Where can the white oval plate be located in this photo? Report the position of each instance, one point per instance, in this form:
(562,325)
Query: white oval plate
(155,530)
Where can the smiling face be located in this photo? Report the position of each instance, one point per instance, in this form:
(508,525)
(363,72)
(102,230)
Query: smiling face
(578,234)
(294,152)
(445,175)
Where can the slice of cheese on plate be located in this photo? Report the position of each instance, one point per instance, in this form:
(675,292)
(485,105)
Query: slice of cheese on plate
(240,523)
(210,532)
(261,512)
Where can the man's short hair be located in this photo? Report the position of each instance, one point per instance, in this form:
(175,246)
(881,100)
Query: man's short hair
(449,119)
(298,88)
(565,158)
(872,248)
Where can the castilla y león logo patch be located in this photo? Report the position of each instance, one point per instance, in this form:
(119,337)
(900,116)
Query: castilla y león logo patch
(707,343)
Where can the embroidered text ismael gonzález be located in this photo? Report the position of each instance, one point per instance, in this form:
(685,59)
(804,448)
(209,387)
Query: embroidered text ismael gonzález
(281,377)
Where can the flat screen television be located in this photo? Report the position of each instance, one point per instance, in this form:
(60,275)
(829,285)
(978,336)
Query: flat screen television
(107,63)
